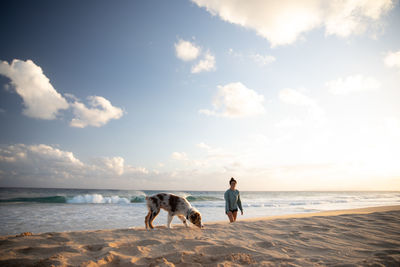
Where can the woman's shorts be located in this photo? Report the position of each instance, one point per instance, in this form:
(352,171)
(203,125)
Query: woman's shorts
(233,210)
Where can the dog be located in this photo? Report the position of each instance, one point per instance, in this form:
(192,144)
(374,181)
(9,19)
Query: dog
(174,205)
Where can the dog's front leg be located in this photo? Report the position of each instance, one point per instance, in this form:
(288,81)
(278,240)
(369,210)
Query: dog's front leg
(183,219)
(169,220)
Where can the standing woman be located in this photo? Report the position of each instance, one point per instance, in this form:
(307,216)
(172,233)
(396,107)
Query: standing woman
(232,201)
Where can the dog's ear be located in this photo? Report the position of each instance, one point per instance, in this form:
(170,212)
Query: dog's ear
(194,217)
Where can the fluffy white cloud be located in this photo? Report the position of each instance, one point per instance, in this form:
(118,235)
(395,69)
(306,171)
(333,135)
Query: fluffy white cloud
(49,153)
(42,101)
(295,97)
(98,114)
(235,100)
(283,22)
(38,162)
(40,98)
(36,153)
(352,83)
(186,50)
(392,59)
(344,18)
(113,164)
(45,165)
(262,60)
(206,64)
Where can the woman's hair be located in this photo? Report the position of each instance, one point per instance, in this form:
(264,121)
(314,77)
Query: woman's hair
(232,180)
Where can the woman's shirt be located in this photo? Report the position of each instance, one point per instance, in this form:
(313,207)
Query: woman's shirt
(232,200)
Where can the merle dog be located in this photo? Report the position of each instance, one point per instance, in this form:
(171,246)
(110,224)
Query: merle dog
(174,205)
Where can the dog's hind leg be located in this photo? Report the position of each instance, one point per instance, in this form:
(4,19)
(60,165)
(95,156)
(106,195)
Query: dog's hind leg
(183,219)
(146,220)
(153,215)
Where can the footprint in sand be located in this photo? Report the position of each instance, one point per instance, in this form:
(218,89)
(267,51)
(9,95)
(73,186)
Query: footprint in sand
(94,248)
(143,250)
(266,244)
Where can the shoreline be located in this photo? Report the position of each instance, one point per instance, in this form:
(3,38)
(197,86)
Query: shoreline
(360,236)
(365,210)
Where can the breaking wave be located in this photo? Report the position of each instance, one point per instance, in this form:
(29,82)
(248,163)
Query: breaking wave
(78,199)
(97,199)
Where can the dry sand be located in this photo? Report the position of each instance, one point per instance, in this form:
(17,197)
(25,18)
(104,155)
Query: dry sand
(363,237)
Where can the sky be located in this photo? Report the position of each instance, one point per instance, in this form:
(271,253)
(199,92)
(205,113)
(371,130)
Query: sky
(182,95)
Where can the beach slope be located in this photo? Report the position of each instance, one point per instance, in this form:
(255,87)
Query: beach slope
(364,237)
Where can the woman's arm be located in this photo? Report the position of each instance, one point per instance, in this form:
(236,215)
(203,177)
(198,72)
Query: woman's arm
(226,197)
(239,203)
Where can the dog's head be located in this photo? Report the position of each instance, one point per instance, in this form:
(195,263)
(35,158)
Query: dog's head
(195,218)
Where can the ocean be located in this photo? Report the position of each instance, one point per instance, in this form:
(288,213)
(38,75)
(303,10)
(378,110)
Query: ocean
(41,210)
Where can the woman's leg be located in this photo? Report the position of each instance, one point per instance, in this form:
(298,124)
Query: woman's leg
(230,216)
(234,215)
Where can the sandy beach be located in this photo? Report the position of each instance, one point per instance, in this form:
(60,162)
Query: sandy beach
(358,237)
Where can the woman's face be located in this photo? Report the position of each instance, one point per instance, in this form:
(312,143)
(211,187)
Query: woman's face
(233,185)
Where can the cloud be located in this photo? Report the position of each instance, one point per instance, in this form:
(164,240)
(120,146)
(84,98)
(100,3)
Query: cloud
(113,164)
(206,64)
(98,114)
(353,83)
(212,152)
(46,165)
(40,161)
(186,50)
(179,156)
(392,59)
(209,159)
(344,18)
(39,97)
(42,101)
(234,53)
(235,100)
(296,98)
(262,60)
(36,153)
(183,158)
(284,22)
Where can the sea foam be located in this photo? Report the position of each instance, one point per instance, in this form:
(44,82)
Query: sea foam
(98,198)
